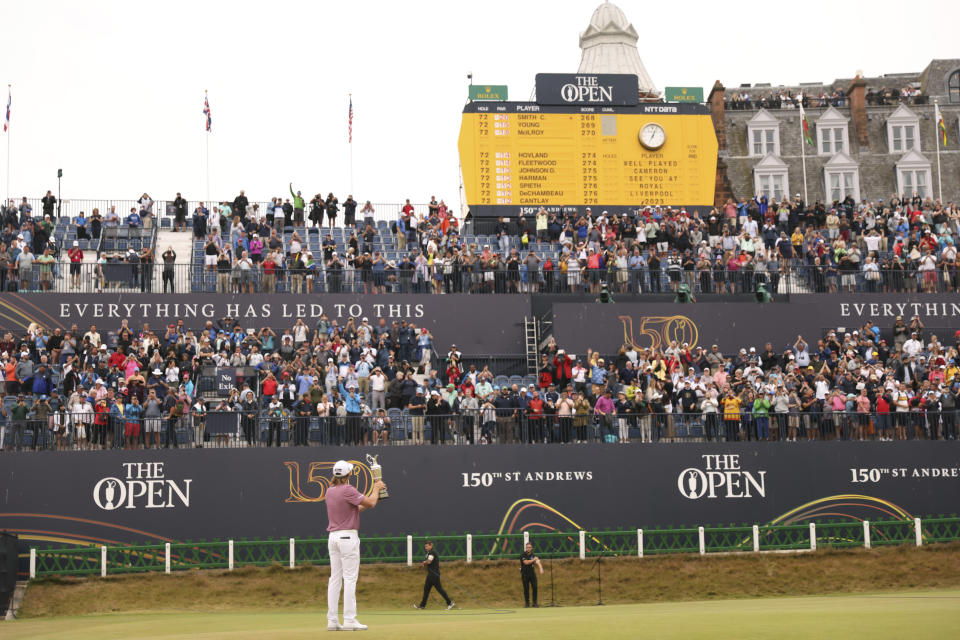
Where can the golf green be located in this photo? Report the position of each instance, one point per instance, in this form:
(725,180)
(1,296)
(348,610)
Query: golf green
(915,614)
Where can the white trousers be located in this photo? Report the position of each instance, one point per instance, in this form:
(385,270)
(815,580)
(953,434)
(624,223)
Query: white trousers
(344,548)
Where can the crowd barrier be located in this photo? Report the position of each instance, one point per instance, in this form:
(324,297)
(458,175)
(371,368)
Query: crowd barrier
(291,552)
(475,427)
(122,276)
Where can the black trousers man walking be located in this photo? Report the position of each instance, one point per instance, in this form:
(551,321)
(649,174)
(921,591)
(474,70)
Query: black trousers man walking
(432,564)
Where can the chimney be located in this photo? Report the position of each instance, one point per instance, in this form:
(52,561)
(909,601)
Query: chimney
(718,113)
(858,109)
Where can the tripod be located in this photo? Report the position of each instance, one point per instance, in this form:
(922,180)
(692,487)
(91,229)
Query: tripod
(599,581)
(552,603)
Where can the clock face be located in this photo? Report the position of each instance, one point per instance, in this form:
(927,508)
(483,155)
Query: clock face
(652,136)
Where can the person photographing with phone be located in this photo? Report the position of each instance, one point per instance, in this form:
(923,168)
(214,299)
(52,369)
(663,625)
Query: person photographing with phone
(344,504)
(527,575)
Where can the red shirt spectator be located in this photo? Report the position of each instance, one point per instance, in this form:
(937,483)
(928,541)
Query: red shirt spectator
(270,386)
(117,359)
(546,379)
(563,365)
(535,407)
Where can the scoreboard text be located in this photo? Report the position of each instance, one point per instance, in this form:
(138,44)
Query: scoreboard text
(517,157)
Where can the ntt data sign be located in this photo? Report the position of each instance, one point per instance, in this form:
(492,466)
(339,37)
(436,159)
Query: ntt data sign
(593,89)
(130,496)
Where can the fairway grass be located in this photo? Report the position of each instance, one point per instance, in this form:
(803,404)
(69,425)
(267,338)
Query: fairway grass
(908,614)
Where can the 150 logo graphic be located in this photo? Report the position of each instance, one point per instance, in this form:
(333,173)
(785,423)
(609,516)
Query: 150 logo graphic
(721,477)
(661,331)
(318,475)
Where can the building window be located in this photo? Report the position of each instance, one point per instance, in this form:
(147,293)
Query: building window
(841,185)
(903,137)
(832,132)
(914,180)
(763,141)
(771,178)
(831,140)
(903,128)
(763,134)
(953,87)
(841,178)
(772,185)
(913,175)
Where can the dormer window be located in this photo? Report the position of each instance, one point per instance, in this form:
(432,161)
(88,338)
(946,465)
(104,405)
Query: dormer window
(832,133)
(903,127)
(763,134)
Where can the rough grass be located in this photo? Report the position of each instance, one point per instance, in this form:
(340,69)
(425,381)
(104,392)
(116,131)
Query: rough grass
(497,584)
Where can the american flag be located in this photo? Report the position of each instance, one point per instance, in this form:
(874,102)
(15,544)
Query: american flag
(350,122)
(206,111)
(6,123)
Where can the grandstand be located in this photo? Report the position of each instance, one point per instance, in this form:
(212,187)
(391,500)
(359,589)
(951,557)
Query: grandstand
(223,384)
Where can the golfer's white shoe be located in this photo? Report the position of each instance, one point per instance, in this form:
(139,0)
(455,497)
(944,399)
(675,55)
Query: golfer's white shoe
(333,626)
(352,626)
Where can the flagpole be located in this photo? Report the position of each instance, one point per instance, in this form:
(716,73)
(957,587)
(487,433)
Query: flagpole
(936,134)
(9,128)
(803,156)
(351,143)
(206,103)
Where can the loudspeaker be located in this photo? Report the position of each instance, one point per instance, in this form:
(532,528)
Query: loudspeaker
(8,568)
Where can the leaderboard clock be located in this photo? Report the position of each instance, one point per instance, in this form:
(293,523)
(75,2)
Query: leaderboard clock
(591,150)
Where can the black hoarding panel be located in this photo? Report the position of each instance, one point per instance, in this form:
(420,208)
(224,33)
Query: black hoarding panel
(732,326)
(476,324)
(116,497)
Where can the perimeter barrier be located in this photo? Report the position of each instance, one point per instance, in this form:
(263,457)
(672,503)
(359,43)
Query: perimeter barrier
(291,552)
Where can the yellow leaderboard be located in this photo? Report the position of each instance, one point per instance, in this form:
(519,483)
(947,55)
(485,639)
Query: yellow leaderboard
(516,157)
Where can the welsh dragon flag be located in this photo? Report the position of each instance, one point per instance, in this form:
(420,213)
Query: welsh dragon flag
(939,118)
(805,126)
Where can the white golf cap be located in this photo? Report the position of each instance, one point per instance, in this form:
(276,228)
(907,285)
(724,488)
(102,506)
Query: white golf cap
(342,468)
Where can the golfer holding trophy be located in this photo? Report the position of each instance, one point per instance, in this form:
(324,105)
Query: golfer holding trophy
(344,504)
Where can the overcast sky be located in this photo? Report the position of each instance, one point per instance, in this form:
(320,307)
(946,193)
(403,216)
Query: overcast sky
(112,92)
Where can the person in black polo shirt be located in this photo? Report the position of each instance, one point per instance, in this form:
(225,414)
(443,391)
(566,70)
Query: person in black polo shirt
(527,575)
(432,564)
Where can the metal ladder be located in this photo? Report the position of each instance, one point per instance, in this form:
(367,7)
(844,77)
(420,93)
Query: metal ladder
(531,329)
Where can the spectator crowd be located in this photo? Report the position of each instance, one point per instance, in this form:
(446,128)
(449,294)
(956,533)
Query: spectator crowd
(371,383)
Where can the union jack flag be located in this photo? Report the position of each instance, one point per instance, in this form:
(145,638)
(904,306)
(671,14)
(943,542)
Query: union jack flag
(6,123)
(206,111)
(350,122)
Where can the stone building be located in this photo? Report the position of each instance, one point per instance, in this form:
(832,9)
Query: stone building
(872,137)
